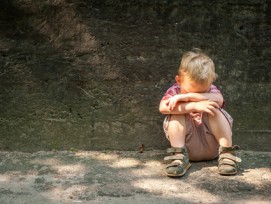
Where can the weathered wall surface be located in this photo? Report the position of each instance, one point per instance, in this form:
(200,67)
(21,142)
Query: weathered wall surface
(90,74)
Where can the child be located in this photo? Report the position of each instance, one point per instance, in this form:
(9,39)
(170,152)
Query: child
(196,124)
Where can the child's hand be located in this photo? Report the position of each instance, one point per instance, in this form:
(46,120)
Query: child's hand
(206,106)
(175,99)
(195,114)
(197,117)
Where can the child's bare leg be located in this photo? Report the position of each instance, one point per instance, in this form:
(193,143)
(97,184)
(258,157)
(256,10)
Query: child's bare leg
(176,130)
(223,133)
(178,153)
(221,129)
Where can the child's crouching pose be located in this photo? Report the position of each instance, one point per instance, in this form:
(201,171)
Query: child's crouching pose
(196,124)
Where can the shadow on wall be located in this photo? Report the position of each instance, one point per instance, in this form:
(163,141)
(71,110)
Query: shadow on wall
(89,75)
(59,81)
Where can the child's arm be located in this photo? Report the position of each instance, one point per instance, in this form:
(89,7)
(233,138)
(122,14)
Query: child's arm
(171,102)
(216,97)
(188,107)
(179,108)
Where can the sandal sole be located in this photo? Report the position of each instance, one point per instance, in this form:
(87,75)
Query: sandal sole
(179,175)
(228,174)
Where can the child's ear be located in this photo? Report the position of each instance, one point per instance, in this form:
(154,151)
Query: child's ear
(178,79)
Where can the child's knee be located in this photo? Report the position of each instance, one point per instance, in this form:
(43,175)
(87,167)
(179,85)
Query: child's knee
(177,117)
(176,121)
(217,114)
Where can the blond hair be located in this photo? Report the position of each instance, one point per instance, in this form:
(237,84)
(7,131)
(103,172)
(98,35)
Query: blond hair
(198,67)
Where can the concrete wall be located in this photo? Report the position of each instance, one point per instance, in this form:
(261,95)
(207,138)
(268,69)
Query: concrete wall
(79,74)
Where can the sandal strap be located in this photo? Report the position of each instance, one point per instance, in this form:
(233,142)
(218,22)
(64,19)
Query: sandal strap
(175,164)
(229,156)
(227,162)
(176,150)
(174,157)
(229,149)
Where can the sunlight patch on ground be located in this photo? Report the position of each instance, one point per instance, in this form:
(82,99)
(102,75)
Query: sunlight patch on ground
(48,162)
(65,194)
(260,175)
(125,163)
(151,164)
(106,157)
(147,169)
(113,160)
(58,166)
(176,189)
(155,185)
(70,169)
(4,178)
(98,156)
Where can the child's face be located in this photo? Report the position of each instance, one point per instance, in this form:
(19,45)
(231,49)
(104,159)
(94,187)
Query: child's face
(189,86)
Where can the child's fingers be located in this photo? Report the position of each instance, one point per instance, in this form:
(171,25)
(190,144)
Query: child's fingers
(210,112)
(172,104)
(169,104)
(211,109)
(214,104)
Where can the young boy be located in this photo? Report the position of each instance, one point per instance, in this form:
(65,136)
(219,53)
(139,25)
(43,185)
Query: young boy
(196,124)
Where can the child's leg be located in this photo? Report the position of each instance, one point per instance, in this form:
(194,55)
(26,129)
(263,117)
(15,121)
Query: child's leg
(221,129)
(199,140)
(177,130)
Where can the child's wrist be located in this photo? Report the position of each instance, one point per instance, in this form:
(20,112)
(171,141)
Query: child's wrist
(188,97)
(192,106)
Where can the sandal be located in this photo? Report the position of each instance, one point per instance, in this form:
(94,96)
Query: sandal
(180,161)
(227,160)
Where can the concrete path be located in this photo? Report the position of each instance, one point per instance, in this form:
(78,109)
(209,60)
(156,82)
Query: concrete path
(127,177)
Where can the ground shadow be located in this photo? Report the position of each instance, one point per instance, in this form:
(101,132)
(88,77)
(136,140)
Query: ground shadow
(125,176)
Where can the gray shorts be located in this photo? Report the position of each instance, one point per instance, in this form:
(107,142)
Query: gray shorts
(200,141)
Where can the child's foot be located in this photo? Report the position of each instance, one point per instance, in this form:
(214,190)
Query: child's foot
(227,160)
(180,161)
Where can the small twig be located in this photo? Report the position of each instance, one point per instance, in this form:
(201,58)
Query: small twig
(141,148)
(88,94)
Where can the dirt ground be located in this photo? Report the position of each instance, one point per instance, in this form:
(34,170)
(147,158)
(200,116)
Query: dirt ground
(127,177)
